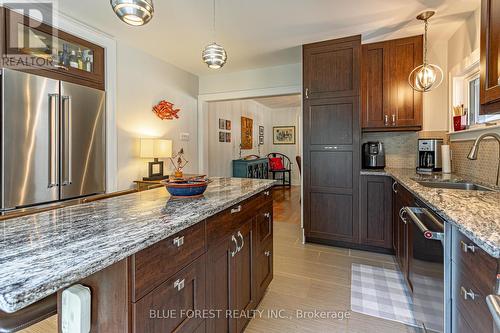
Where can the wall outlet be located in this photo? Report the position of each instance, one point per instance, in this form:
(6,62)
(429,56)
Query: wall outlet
(76,309)
(184,137)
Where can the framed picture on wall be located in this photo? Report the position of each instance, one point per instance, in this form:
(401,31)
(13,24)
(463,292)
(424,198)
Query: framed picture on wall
(222,137)
(284,135)
(228,125)
(246,133)
(228,136)
(222,124)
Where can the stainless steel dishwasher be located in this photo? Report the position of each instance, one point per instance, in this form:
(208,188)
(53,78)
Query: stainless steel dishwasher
(426,267)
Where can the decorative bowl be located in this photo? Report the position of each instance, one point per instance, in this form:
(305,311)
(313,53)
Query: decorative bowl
(186,188)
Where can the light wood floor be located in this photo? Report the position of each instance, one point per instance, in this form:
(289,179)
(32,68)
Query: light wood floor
(315,277)
(306,277)
(286,204)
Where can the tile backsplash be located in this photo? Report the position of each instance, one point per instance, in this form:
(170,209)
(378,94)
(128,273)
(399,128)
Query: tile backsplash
(400,148)
(484,168)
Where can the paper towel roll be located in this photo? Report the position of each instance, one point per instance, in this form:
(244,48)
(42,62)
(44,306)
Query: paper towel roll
(446,158)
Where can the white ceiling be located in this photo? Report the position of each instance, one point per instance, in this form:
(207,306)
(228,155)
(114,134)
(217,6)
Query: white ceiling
(280,102)
(262,33)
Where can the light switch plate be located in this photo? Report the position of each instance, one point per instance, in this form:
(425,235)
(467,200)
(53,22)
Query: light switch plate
(184,137)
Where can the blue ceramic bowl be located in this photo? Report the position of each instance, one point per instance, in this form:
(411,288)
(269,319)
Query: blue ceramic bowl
(187,189)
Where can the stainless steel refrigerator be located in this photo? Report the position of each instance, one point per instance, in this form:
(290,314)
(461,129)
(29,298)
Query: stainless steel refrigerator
(52,140)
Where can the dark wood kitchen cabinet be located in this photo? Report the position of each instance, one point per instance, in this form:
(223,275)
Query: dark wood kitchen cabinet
(474,278)
(64,56)
(230,283)
(376,212)
(161,309)
(331,68)
(331,141)
(388,102)
(401,231)
(490,56)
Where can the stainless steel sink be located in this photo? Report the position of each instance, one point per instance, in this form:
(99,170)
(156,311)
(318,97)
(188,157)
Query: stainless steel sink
(454,185)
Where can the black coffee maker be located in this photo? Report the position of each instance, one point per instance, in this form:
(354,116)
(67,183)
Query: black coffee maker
(373,155)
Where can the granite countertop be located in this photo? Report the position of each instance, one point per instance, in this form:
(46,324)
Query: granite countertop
(475,213)
(47,251)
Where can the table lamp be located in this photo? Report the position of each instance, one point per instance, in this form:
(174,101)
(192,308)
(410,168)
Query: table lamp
(155,149)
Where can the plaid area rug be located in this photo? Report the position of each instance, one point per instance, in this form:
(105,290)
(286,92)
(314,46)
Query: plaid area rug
(382,293)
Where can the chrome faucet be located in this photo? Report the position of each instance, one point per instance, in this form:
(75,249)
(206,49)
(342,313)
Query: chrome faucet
(475,148)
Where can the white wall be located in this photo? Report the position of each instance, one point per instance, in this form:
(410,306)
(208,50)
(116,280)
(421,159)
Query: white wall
(261,78)
(221,154)
(464,42)
(143,81)
(288,117)
(435,102)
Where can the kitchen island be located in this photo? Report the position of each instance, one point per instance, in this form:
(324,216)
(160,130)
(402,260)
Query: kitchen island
(135,235)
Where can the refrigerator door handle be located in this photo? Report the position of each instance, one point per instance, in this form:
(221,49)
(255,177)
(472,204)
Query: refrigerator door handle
(53,139)
(67,140)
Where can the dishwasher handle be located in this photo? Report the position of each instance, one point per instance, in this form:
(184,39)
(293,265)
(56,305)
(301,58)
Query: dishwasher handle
(414,212)
(493,302)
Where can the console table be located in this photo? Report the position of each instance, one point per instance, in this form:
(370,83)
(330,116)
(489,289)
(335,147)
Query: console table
(251,168)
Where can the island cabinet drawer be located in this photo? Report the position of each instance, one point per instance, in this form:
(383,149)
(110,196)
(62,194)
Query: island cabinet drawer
(474,262)
(153,265)
(471,303)
(175,305)
(264,225)
(225,223)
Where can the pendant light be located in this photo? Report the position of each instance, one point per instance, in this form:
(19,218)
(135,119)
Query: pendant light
(214,54)
(427,76)
(133,12)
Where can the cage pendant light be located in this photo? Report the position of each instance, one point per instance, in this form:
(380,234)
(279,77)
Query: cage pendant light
(133,12)
(425,77)
(214,54)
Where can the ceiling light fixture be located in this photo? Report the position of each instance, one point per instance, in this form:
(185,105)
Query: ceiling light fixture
(427,76)
(214,55)
(133,12)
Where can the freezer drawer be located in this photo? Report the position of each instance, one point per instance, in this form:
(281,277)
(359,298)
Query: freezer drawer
(29,132)
(83,160)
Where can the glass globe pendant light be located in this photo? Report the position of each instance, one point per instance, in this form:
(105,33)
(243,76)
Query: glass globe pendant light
(133,12)
(427,76)
(214,54)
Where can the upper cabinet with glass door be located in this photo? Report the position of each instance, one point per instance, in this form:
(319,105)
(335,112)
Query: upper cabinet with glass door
(490,56)
(51,52)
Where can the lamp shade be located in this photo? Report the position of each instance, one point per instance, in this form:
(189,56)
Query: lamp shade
(156,148)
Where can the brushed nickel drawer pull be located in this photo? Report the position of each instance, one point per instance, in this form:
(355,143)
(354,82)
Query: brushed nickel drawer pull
(330,147)
(236,210)
(179,241)
(267,216)
(386,120)
(236,249)
(267,253)
(394,187)
(467,294)
(179,284)
(467,247)
(267,193)
(393,120)
(402,211)
(242,241)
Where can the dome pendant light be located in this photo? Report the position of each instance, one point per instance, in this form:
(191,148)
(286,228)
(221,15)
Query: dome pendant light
(214,55)
(427,76)
(133,12)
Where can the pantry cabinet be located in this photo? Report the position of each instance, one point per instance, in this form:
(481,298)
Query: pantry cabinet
(50,52)
(490,56)
(388,103)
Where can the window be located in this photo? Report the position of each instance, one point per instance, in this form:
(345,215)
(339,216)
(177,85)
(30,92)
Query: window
(474,104)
